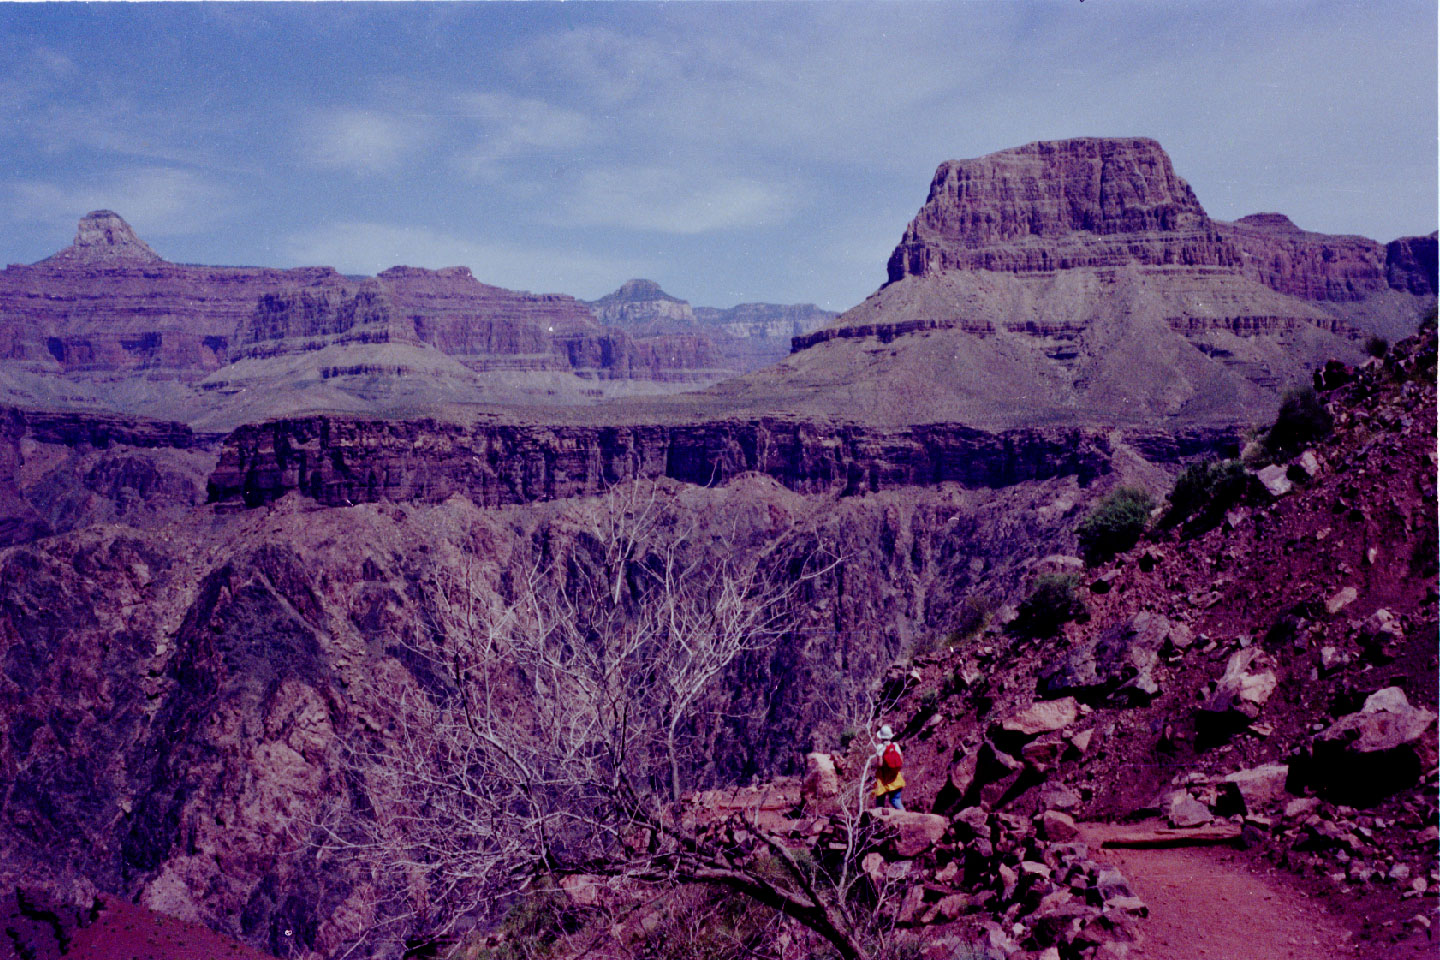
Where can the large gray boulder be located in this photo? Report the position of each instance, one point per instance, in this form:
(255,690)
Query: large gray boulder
(1384,747)
(1245,686)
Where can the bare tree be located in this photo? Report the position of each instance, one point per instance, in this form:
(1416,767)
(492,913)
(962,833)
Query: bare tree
(549,738)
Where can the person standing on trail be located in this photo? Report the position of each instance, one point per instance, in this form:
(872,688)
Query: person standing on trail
(889,781)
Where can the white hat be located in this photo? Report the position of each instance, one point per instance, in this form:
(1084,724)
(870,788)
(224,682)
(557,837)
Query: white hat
(886,733)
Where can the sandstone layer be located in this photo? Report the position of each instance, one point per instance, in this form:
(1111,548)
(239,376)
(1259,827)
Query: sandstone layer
(339,462)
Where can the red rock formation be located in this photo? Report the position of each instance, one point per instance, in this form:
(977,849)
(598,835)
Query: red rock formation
(1410,265)
(1055,205)
(109,304)
(342,461)
(1059,204)
(103,237)
(1312,266)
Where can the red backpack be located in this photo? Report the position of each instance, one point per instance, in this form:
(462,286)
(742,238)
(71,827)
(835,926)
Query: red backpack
(891,758)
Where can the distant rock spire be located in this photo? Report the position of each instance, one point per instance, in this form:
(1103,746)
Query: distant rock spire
(103,236)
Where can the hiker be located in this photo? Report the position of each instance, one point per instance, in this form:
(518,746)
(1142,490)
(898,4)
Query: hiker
(889,781)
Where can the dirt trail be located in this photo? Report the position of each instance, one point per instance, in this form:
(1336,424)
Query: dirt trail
(1205,904)
(124,931)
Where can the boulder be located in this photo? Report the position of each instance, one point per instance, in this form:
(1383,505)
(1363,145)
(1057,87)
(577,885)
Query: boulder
(952,907)
(1301,807)
(1058,827)
(1111,884)
(1332,659)
(1342,599)
(962,773)
(822,781)
(1274,479)
(977,819)
(1259,788)
(907,832)
(1184,810)
(1247,683)
(1384,747)
(1042,717)
(1059,797)
(1042,755)
(1118,665)
(997,776)
(1380,635)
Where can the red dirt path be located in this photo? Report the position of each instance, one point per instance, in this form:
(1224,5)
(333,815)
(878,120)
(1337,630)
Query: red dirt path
(124,931)
(1206,904)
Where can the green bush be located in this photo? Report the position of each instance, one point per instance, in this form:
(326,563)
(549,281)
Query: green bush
(1205,491)
(1054,601)
(1377,346)
(1302,420)
(1115,524)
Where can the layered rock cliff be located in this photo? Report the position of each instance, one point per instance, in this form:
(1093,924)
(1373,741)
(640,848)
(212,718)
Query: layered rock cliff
(108,307)
(1410,265)
(339,462)
(1096,202)
(1056,205)
(1082,281)
(64,471)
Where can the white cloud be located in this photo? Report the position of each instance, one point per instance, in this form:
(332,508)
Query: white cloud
(665,200)
(360,141)
(368,248)
(156,201)
(515,127)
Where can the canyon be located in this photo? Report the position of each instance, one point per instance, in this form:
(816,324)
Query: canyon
(232,501)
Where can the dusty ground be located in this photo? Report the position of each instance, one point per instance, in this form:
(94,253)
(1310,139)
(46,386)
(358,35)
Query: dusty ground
(124,931)
(1214,903)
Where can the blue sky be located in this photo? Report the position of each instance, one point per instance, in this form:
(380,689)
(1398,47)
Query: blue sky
(733,152)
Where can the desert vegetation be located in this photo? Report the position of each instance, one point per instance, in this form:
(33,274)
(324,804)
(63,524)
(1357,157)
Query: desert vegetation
(1302,420)
(1051,603)
(1116,523)
(557,734)
(1203,492)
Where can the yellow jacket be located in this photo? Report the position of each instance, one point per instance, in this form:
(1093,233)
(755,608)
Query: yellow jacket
(886,780)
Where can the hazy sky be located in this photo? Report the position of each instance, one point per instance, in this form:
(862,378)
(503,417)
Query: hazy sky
(733,152)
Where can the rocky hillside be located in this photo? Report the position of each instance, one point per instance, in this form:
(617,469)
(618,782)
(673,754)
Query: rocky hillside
(211,664)
(1268,666)
(747,336)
